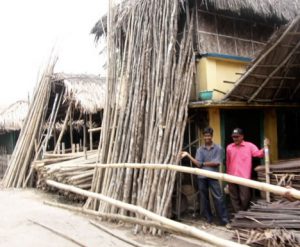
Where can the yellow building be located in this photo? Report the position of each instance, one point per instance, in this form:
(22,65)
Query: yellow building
(217,76)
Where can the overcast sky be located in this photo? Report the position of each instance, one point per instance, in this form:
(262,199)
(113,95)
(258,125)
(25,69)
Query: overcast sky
(29,31)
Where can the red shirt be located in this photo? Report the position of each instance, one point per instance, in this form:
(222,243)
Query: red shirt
(239,158)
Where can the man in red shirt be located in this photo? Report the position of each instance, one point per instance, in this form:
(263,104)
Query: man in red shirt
(239,163)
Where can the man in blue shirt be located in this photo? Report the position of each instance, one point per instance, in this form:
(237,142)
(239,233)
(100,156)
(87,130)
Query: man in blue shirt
(209,157)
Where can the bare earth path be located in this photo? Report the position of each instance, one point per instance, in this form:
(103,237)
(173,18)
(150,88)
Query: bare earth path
(26,221)
(19,209)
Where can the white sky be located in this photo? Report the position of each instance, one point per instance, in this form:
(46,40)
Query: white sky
(29,31)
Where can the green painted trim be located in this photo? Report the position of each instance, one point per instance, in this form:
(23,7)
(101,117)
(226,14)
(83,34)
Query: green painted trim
(226,56)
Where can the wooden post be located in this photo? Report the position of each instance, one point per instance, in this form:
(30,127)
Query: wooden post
(91,133)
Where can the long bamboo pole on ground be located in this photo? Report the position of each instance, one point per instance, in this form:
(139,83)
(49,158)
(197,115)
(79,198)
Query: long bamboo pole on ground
(111,232)
(188,230)
(58,233)
(117,217)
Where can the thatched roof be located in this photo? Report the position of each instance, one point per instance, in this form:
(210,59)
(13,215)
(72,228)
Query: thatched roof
(282,10)
(279,11)
(12,117)
(274,75)
(87,91)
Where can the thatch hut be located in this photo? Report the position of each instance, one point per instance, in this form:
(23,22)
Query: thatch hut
(83,97)
(11,120)
(64,108)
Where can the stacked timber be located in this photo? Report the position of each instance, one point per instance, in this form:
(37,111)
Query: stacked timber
(66,168)
(278,214)
(285,173)
(269,237)
(269,224)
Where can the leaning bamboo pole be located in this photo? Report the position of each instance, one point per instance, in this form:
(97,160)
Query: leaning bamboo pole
(24,150)
(188,230)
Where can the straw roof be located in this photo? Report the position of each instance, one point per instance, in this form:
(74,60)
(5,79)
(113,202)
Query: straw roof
(12,117)
(261,10)
(274,75)
(87,91)
(284,10)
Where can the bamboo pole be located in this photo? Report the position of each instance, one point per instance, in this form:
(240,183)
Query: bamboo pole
(263,56)
(95,129)
(63,148)
(275,189)
(188,230)
(117,217)
(267,168)
(269,77)
(18,169)
(110,232)
(63,129)
(71,125)
(58,233)
(91,134)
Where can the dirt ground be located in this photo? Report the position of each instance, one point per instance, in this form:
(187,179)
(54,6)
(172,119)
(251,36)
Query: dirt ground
(27,221)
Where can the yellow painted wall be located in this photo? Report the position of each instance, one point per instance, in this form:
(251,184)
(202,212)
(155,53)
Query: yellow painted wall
(270,129)
(215,123)
(212,72)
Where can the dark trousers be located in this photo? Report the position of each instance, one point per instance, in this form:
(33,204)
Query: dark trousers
(204,184)
(240,196)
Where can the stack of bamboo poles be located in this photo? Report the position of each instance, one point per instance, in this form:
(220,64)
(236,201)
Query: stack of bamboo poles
(66,168)
(146,123)
(270,237)
(31,132)
(286,173)
(278,214)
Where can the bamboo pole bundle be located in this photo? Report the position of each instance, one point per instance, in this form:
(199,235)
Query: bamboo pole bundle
(24,150)
(150,69)
(66,168)
(187,230)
